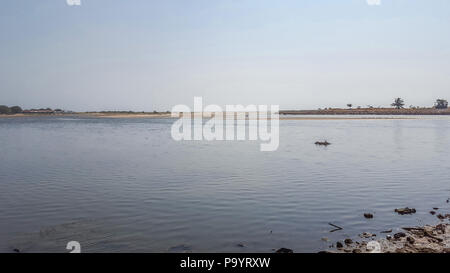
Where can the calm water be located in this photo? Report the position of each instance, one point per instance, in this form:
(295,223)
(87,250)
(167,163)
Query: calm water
(123,185)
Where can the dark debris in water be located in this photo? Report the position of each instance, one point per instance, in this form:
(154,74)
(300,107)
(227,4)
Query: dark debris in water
(322,143)
(403,211)
(368,215)
(335,226)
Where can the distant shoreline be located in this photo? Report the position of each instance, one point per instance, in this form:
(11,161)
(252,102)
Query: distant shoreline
(284,114)
(370,111)
(94,115)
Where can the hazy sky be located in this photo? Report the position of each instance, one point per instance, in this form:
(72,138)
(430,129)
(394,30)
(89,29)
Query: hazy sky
(150,55)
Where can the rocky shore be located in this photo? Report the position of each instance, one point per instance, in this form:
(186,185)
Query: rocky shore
(423,239)
(426,239)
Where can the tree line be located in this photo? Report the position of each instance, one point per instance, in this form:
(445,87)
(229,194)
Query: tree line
(10,110)
(399,103)
(17,110)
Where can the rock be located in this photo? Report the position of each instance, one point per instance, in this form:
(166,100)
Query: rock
(322,143)
(339,245)
(387,231)
(440,228)
(284,250)
(410,240)
(435,208)
(240,245)
(406,210)
(367,235)
(432,212)
(441,217)
(357,250)
(348,241)
(325,239)
(428,229)
(368,215)
(399,235)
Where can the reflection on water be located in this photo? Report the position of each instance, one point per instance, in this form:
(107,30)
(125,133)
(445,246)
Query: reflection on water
(123,185)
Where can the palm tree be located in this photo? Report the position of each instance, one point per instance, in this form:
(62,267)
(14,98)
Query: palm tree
(441,104)
(398,103)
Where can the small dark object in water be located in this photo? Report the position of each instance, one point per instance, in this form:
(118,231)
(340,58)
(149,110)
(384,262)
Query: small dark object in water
(399,235)
(432,212)
(368,215)
(406,210)
(339,245)
(441,217)
(240,245)
(410,240)
(16,250)
(387,231)
(348,241)
(322,143)
(284,250)
(435,208)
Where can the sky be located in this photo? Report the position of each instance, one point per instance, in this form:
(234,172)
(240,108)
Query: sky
(145,55)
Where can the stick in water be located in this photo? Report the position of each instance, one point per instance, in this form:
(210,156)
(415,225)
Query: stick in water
(337,227)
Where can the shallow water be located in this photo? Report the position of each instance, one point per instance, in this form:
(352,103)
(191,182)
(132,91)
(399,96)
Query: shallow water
(123,185)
